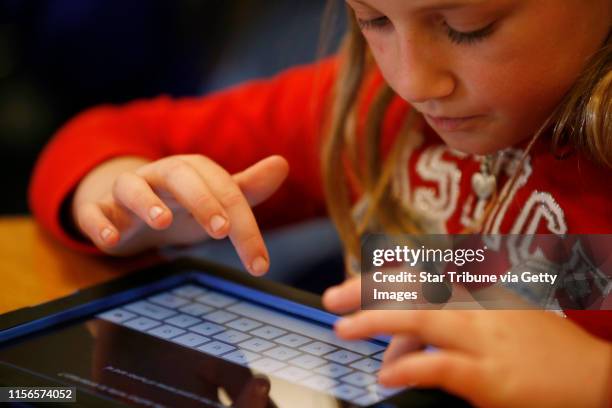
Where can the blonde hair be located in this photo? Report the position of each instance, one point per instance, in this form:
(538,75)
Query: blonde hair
(582,122)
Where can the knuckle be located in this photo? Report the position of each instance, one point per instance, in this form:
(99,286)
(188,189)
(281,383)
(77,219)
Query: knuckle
(132,196)
(120,181)
(191,157)
(89,220)
(136,199)
(251,240)
(173,167)
(441,370)
(205,201)
(84,215)
(231,198)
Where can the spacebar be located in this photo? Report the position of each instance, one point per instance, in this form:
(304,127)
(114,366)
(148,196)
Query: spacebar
(299,326)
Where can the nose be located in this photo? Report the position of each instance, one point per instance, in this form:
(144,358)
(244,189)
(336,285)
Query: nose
(422,73)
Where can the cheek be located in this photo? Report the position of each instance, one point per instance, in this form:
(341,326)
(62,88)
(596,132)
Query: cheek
(387,60)
(524,77)
(519,98)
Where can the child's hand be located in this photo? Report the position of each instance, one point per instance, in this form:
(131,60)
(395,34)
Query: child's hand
(177,200)
(346,297)
(493,358)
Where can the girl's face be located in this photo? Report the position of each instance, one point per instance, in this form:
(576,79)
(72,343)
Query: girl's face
(485,73)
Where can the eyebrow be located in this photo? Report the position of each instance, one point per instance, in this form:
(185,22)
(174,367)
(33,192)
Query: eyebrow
(441,5)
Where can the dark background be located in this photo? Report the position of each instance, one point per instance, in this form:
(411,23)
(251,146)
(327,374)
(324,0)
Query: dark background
(58,57)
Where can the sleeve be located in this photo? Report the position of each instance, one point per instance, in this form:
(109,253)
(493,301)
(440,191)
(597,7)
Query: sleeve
(283,115)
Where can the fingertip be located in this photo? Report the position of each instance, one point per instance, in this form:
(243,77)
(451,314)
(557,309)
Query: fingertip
(343,327)
(385,377)
(283,161)
(259,266)
(330,298)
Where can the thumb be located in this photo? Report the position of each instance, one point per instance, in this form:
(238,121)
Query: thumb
(262,179)
(345,297)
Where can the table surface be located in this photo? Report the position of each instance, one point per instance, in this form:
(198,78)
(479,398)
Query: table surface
(35,268)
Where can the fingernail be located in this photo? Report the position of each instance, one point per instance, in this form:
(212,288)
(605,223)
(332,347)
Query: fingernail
(259,266)
(217,222)
(106,233)
(155,212)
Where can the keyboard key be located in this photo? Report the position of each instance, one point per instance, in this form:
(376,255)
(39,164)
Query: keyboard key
(308,361)
(166,331)
(267,365)
(282,353)
(317,348)
(189,291)
(319,382)
(293,340)
(242,357)
(359,379)
(168,300)
(346,392)
(367,364)
(220,316)
(216,348)
(257,345)
(207,329)
(379,356)
(216,299)
(196,309)
(333,370)
(367,400)
(183,320)
(141,323)
(268,332)
(243,324)
(116,316)
(190,340)
(292,374)
(342,356)
(232,336)
(311,330)
(150,310)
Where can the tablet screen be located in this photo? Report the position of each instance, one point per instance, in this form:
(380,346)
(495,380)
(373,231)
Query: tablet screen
(197,345)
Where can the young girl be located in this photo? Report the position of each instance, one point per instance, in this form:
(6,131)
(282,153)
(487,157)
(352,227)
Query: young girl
(436,116)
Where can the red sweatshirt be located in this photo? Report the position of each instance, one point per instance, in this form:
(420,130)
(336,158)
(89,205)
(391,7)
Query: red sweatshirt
(284,115)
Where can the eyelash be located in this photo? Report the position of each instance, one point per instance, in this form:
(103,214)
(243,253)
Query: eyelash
(457,37)
(375,23)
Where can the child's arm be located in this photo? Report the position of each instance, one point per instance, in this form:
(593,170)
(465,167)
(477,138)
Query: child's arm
(235,128)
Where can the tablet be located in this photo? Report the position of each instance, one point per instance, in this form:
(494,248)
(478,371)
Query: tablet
(193,334)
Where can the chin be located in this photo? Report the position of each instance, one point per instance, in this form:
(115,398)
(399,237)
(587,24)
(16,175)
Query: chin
(470,143)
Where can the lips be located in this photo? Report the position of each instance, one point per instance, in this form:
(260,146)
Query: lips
(452,124)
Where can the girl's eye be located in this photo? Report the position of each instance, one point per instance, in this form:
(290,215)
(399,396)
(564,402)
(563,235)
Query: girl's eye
(462,37)
(375,23)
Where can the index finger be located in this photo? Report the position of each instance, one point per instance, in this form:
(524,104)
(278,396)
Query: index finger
(244,231)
